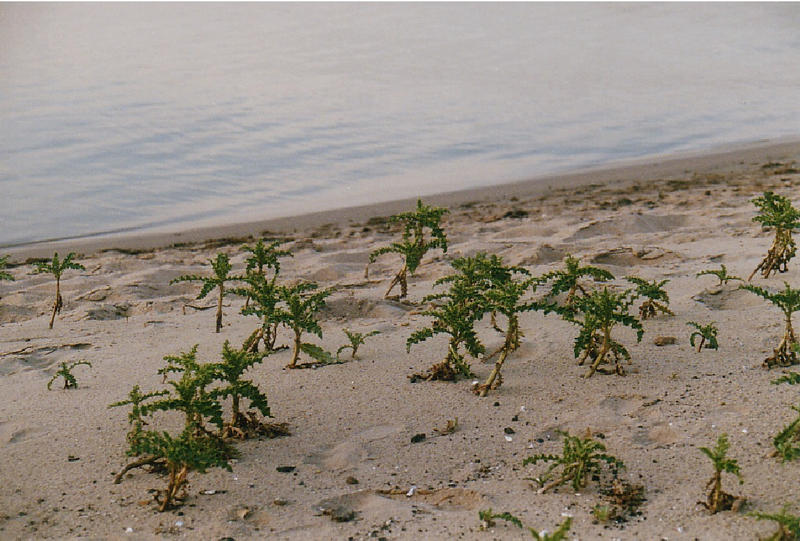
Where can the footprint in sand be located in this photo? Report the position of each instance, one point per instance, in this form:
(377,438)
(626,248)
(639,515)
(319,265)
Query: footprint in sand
(352,451)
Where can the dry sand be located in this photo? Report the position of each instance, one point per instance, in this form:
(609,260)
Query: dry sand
(59,449)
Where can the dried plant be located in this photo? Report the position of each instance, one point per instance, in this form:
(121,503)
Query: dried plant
(707,335)
(718,500)
(415,242)
(580,459)
(776,211)
(788,524)
(65,371)
(721,274)
(356,339)
(487,518)
(788,301)
(569,280)
(57,267)
(303,301)
(787,442)
(657,299)
(221,267)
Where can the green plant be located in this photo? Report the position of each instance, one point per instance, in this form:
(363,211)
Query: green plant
(65,371)
(787,442)
(601,311)
(302,303)
(356,339)
(221,268)
(721,274)
(788,301)
(776,211)
(718,500)
(265,296)
(4,275)
(264,256)
(235,362)
(487,518)
(57,267)
(568,280)
(454,313)
(707,335)
(580,458)
(415,243)
(788,524)
(657,298)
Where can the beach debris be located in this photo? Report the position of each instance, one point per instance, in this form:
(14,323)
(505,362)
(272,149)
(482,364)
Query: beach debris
(450,427)
(351,480)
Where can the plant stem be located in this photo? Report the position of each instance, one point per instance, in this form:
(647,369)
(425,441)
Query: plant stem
(219,307)
(296,349)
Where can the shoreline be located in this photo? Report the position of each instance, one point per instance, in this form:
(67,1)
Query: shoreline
(726,159)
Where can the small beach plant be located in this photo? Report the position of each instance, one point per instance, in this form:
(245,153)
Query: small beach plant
(788,300)
(706,333)
(302,303)
(787,442)
(221,268)
(597,314)
(657,299)
(65,371)
(788,524)
(717,499)
(580,459)
(5,275)
(262,257)
(776,211)
(488,517)
(356,339)
(721,274)
(569,280)
(56,267)
(455,313)
(422,232)
(263,298)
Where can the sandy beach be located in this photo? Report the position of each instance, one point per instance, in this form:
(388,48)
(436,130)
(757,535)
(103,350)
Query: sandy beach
(352,424)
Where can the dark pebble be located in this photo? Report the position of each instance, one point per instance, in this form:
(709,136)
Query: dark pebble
(416,438)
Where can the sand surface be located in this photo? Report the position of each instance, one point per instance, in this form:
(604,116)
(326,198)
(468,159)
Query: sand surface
(59,449)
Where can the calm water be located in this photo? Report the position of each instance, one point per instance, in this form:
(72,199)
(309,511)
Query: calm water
(117,116)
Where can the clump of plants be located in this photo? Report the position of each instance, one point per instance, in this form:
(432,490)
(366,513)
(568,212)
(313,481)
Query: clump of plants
(580,459)
(570,280)
(717,499)
(65,372)
(422,232)
(707,335)
(56,267)
(5,275)
(788,300)
(624,500)
(454,313)
(657,299)
(263,298)
(597,314)
(777,212)
(787,442)
(221,267)
(721,275)
(788,524)
(356,340)
(303,301)
(263,257)
(488,517)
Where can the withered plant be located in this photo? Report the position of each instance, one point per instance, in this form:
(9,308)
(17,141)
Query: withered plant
(65,371)
(455,313)
(721,274)
(303,301)
(356,339)
(221,267)
(656,298)
(488,517)
(717,499)
(788,300)
(777,212)
(597,314)
(788,524)
(569,280)
(707,335)
(56,267)
(422,231)
(580,459)
(787,442)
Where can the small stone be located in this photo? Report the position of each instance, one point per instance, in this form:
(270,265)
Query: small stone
(416,438)
(351,480)
(280,502)
(508,430)
(665,340)
(285,469)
